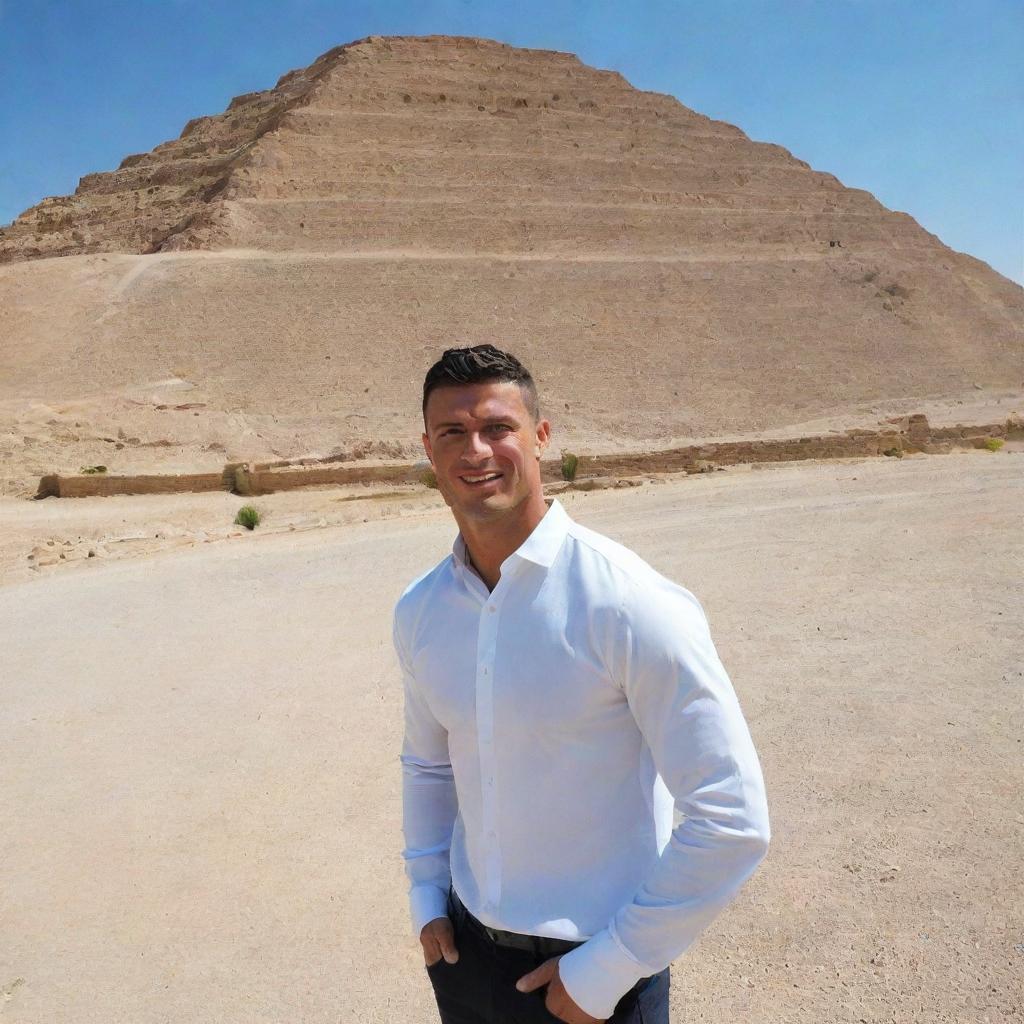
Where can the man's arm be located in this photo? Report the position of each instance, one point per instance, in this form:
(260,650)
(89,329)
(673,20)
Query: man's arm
(685,706)
(429,804)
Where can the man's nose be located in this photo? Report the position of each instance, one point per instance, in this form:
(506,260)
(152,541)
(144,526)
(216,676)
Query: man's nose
(476,447)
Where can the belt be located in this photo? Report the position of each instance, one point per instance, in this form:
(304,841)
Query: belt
(541,945)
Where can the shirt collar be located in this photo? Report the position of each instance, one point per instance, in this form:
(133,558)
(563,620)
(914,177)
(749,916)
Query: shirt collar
(540,547)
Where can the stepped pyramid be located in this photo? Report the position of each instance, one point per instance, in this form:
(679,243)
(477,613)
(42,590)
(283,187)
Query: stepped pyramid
(300,259)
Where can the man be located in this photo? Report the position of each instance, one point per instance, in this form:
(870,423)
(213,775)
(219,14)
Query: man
(560,697)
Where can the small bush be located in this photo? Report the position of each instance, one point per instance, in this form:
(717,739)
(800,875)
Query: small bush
(993,444)
(93,469)
(893,453)
(570,463)
(428,478)
(248,516)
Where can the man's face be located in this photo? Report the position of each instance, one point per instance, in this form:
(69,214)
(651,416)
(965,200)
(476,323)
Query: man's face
(482,442)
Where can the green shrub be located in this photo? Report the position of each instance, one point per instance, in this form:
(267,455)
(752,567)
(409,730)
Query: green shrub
(993,444)
(93,469)
(893,453)
(570,463)
(248,516)
(428,478)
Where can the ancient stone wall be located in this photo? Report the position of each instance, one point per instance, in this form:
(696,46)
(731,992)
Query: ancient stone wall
(103,484)
(915,435)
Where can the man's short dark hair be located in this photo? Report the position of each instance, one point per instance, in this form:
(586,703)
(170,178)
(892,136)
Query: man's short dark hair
(477,365)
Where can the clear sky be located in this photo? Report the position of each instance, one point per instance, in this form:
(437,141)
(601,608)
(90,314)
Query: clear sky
(920,102)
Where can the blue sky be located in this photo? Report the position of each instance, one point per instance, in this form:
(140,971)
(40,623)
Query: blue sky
(920,102)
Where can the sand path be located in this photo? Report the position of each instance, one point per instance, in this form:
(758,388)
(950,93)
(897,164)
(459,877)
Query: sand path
(201,781)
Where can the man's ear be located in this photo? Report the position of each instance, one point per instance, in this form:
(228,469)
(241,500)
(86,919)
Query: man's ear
(426,447)
(543,436)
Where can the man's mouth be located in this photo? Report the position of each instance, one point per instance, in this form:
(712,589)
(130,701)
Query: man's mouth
(478,479)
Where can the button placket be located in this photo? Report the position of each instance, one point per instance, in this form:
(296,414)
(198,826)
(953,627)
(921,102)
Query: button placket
(486,647)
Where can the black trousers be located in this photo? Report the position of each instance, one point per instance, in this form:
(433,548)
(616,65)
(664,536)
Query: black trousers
(480,988)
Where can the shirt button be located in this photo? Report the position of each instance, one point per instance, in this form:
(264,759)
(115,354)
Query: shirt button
(491,608)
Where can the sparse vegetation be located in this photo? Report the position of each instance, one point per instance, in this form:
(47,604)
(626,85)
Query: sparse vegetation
(893,453)
(93,469)
(897,291)
(248,516)
(570,463)
(993,444)
(428,479)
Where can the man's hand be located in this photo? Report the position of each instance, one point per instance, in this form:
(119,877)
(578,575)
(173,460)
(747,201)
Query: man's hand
(557,1001)
(438,940)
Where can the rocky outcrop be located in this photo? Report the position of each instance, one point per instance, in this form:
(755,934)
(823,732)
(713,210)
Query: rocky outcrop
(465,146)
(153,196)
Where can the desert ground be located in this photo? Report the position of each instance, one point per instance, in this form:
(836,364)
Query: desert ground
(201,750)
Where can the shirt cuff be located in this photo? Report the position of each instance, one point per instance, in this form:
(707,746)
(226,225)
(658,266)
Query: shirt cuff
(599,973)
(426,902)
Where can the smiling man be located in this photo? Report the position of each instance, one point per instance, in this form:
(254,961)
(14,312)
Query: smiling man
(561,697)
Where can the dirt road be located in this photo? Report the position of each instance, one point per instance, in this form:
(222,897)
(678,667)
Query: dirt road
(202,791)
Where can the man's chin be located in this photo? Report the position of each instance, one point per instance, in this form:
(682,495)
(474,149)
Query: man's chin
(486,503)
(486,506)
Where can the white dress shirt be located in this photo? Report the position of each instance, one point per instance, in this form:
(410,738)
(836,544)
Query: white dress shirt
(550,725)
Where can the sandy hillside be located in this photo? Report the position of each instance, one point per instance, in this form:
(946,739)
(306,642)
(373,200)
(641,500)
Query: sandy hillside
(275,282)
(202,782)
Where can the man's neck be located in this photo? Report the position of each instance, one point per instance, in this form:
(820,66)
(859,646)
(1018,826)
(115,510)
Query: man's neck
(490,541)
